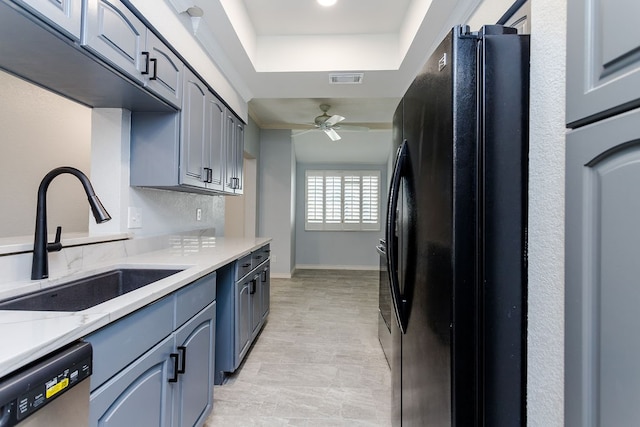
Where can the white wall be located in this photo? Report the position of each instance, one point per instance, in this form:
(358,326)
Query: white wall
(545,382)
(336,249)
(41,131)
(276,179)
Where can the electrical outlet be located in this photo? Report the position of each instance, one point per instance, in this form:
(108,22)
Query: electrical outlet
(134,219)
(198,214)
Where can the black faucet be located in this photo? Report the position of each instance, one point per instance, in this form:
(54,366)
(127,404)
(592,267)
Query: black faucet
(40,264)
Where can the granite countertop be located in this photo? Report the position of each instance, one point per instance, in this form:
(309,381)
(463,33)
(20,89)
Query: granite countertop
(30,335)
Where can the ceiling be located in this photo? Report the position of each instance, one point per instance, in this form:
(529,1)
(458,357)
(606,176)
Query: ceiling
(278,55)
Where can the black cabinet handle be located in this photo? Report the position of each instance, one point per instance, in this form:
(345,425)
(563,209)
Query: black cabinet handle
(264,276)
(258,256)
(155,69)
(252,289)
(183,350)
(146,63)
(176,371)
(207,175)
(246,265)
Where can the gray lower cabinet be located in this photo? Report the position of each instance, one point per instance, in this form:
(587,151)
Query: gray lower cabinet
(243,298)
(64,15)
(265,291)
(161,359)
(139,395)
(242,319)
(193,392)
(602,286)
(603,59)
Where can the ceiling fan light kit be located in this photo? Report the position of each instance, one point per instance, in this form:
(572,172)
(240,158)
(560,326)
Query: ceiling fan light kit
(328,124)
(326,3)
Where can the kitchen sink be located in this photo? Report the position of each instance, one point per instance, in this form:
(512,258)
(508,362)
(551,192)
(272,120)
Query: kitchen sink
(87,292)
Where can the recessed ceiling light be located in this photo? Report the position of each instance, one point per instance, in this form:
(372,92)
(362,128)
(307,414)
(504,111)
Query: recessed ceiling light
(327,3)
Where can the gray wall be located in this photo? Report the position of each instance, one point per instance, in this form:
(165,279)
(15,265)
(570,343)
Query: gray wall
(252,139)
(276,195)
(337,249)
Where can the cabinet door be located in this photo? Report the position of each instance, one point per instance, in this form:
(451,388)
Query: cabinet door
(234,154)
(194,147)
(163,70)
(602,380)
(216,116)
(65,15)
(239,156)
(255,290)
(242,321)
(138,395)
(265,281)
(603,58)
(113,32)
(194,391)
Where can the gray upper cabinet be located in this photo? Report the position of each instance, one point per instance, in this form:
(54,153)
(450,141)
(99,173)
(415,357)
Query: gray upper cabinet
(113,32)
(194,149)
(32,37)
(65,15)
(235,155)
(162,70)
(602,380)
(603,59)
(217,113)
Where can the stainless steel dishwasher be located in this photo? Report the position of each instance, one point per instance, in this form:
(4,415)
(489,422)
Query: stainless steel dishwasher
(49,392)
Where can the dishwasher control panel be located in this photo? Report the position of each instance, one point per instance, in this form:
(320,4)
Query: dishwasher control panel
(32,387)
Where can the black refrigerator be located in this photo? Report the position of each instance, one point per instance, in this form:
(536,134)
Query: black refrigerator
(456,235)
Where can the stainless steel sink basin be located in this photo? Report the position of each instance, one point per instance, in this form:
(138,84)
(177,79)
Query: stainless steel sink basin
(84,293)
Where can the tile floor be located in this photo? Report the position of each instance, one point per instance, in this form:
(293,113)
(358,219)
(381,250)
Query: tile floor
(317,362)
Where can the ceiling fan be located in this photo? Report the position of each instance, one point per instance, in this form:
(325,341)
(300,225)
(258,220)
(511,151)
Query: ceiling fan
(329,124)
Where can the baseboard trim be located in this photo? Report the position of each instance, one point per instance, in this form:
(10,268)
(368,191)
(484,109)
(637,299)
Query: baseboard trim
(336,267)
(281,275)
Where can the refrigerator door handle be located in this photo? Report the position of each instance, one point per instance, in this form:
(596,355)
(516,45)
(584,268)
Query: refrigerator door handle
(392,247)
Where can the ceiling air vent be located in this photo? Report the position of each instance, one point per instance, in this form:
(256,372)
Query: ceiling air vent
(346,78)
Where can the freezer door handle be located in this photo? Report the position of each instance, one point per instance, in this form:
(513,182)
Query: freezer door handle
(392,245)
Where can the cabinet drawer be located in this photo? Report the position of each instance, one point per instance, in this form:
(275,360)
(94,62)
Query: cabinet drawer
(259,256)
(243,266)
(117,345)
(193,298)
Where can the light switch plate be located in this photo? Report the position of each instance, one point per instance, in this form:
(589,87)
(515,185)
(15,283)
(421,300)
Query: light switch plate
(134,220)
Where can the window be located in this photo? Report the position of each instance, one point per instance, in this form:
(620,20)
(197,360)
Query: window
(342,200)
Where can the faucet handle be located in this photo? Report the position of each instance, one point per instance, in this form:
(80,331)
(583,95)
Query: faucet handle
(56,245)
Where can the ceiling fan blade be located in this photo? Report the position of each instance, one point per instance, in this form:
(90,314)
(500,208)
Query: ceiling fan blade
(352,128)
(302,132)
(333,120)
(332,134)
